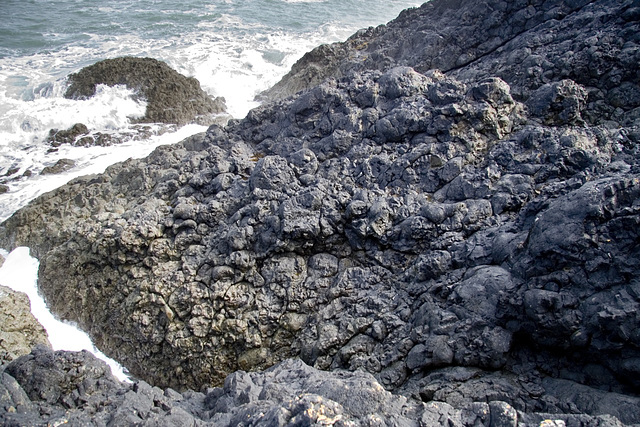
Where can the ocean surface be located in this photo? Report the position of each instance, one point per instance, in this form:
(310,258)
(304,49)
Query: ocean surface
(235,48)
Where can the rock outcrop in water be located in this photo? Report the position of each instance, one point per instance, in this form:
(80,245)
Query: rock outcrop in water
(60,166)
(466,237)
(526,44)
(171,97)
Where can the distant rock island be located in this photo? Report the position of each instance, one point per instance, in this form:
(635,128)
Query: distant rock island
(435,222)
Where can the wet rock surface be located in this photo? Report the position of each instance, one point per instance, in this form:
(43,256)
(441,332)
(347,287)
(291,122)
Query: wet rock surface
(11,174)
(171,97)
(72,135)
(62,165)
(467,238)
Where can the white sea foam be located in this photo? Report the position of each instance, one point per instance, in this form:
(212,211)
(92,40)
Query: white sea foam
(110,109)
(20,273)
(26,123)
(240,66)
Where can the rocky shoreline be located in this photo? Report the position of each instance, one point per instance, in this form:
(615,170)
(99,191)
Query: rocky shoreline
(444,231)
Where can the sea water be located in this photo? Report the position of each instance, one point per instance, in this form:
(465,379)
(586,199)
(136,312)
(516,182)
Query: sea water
(235,48)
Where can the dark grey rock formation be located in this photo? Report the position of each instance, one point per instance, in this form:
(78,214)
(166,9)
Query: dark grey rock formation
(469,240)
(10,174)
(75,389)
(19,330)
(281,230)
(60,166)
(171,97)
(526,44)
(67,136)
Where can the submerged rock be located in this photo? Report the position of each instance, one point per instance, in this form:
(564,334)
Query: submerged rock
(69,136)
(468,238)
(170,96)
(80,136)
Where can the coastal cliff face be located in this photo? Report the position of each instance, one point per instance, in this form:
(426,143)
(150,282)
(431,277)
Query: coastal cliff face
(525,43)
(465,235)
(19,329)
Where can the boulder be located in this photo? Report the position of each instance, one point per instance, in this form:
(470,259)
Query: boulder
(54,388)
(558,103)
(170,96)
(60,166)
(69,136)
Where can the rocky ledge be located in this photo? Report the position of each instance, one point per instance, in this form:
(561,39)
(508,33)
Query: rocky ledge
(468,237)
(526,44)
(62,388)
(19,330)
(170,96)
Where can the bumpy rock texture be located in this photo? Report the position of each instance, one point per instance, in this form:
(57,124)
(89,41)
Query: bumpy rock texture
(75,389)
(67,136)
(19,330)
(171,97)
(465,236)
(525,43)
